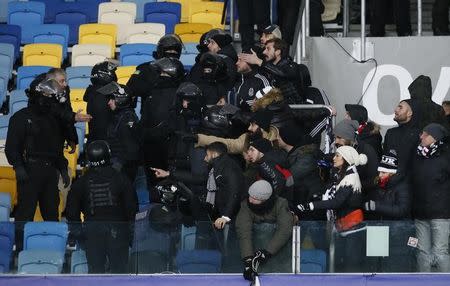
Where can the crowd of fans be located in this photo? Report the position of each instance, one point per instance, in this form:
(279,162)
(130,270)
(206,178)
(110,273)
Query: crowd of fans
(226,130)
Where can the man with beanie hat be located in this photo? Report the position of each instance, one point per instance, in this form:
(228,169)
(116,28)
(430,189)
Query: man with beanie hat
(262,206)
(302,164)
(368,131)
(404,138)
(345,134)
(250,82)
(260,120)
(430,177)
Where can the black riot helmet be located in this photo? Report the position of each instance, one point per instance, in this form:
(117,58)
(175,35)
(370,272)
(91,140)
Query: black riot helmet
(213,67)
(104,72)
(202,46)
(170,66)
(119,92)
(189,91)
(99,153)
(169,46)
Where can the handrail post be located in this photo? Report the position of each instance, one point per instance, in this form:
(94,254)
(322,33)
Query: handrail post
(345,20)
(419,17)
(307,10)
(232,18)
(363,30)
(303,46)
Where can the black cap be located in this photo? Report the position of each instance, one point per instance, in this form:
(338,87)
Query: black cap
(357,112)
(261,144)
(262,118)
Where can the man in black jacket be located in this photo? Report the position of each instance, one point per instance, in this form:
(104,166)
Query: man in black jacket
(109,204)
(430,177)
(221,44)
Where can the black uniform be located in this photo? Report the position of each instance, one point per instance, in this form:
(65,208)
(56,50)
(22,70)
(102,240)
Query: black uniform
(378,14)
(97,107)
(108,202)
(440,17)
(123,138)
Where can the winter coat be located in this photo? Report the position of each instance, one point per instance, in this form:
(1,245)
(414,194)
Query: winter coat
(404,140)
(431,185)
(370,135)
(246,88)
(97,106)
(230,61)
(392,202)
(279,215)
(368,172)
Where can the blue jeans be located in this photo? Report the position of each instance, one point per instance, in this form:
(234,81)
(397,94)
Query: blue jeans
(433,236)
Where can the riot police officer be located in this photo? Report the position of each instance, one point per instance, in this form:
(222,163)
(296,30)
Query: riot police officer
(109,204)
(123,131)
(97,104)
(34,149)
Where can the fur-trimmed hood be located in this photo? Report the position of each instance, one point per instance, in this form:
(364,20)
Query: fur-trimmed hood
(274,96)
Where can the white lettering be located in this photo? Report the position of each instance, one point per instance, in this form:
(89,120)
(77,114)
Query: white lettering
(442,86)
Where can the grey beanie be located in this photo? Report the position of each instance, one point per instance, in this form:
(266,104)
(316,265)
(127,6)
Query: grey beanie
(260,190)
(346,129)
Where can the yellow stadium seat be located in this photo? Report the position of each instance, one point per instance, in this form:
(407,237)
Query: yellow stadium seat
(99,34)
(185,5)
(76,94)
(8,183)
(79,105)
(206,12)
(124,73)
(191,32)
(42,55)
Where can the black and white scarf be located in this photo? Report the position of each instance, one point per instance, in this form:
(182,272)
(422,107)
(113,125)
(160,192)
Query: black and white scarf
(211,187)
(429,151)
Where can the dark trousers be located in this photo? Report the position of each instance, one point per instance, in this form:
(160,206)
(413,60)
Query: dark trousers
(106,240)
(288,15)
(42,188)
(350,252)
(252,12)
(440,17)
(155,156)
(402,19)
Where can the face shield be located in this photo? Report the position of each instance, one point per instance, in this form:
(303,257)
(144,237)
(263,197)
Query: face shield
(52,89)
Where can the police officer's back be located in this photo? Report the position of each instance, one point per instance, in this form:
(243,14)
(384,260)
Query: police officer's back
(109,204)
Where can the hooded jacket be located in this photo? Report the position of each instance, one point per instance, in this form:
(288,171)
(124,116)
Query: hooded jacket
(421,91)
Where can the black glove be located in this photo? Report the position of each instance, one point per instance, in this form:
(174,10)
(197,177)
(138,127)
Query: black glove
(65,178)
(21,174)
(370,205)
(261,256)
(304,207)
(249,273)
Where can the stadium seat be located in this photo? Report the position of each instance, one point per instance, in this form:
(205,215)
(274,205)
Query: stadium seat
(42,54)
(74,14)
(26,74)
(76,94)
(124,73)
(89,54)
(47,235)
(8,176)
(25,13)
(72,160)
(143,199)
(47,33)
(79,77)
(185,6)
(192,32)
(148,33)
(6,245)
(188,55)
(11,34)
(4,10)
(105,34)
(78,262)
(4,78)
(188,236)
(40,262)
(81,134)
(17,100)
(313,261)
(140,8)
(49,9)
(136,54)
(121,14)
(7,56)
(5,206)
(207,12)
(166,13)
(199,261)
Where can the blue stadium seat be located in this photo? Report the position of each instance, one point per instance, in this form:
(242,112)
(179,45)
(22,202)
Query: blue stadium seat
(49,9)
(94,8)
(17,100)
(188,55)
(47,235)
(199,261)
(75,14)
(11,34)
(26,74)
(5,206)
(188,236)
(313,261)
(81,132)
(140,8)
(6,245)
(47,33)
(4,78)
(25,13)
(138,107)
(143,198)
(79,77)
(136,54)
(78,263)
(4,10)
(4,122)
(7,56)
(40,262)
(167,13)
